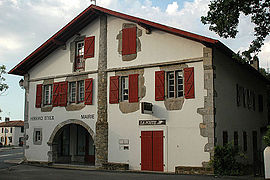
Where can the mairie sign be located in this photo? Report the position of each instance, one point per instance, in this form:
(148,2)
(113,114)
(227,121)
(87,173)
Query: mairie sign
(152,122)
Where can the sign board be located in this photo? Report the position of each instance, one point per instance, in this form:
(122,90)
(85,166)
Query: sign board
(41,118)
(147,108)
(152,122)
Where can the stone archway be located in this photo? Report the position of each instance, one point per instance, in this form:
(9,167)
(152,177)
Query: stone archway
(61,125)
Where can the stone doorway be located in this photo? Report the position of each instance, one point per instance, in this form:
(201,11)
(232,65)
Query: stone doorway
(73,144)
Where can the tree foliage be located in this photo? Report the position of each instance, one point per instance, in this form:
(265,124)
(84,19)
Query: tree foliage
(223,17)
(3,85)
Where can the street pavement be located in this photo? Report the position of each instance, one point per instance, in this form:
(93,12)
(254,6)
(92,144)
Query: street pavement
(10,154)
(15,171)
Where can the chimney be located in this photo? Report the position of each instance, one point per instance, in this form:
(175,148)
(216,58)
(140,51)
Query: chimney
(6,119)
(255,63)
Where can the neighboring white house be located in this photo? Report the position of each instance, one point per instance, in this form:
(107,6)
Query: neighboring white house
(12,133)
(85,88)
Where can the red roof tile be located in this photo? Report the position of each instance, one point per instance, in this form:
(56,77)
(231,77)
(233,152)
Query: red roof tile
(12,124)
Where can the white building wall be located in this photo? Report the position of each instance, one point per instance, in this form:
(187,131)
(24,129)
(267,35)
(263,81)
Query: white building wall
(181,129)
(156,47)
(230,117)
(15,134)
(55,65)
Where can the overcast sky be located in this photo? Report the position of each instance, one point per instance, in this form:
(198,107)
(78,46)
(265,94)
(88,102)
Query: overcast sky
(26,24)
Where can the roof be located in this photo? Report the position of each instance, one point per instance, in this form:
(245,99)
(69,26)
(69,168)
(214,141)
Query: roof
(12,124)
(89,15)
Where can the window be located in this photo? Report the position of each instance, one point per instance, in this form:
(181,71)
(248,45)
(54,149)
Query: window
(175,84)
(260,100)
(2,139)
(47,94)
(225,138)
(76,92)
(2,130)
(38,136)
(22,129)
(235,139)
(79,60)
(72,92)
(245,141)
(124,88)
(11,130)
(10,139)
(80,91)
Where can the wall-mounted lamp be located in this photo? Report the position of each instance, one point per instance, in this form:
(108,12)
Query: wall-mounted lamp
(21,83)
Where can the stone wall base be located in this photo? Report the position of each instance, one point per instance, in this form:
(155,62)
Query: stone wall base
(193,170)
(115,166)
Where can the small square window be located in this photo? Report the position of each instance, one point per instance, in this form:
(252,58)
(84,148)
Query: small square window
(124,88)
(47,95)
(37,136)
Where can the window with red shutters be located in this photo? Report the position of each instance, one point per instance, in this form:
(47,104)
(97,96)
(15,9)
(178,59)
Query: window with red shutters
(88,91)
(38,95)
(189,82)
(129,45)
(114,90)
(89,47)
(133,88)
(159,85)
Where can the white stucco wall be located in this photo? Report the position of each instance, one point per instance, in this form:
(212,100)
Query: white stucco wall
(229,117)
(156,47)
(182,127)
(58,62)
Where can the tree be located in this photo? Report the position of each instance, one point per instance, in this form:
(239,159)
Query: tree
(223,17)
(3,85)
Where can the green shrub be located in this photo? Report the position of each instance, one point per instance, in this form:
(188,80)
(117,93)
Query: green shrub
(266,137)
(226,160)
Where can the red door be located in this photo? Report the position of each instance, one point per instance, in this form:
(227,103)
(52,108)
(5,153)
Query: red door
(152,150)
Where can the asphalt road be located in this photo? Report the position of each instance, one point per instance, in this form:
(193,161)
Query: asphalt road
(9,154)
(26,172)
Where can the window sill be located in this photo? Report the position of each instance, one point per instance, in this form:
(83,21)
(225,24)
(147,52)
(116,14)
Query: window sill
(46,108)
(75,107)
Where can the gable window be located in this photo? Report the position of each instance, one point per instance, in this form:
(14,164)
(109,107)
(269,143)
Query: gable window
(175,84)
(79,60)
(124,88)
(47,94)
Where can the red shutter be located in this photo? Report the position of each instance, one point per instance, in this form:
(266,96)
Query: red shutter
(56,88)
(89,47)
(88,92)
(114,90)
(157,150)
(159,85)
(146,150)
(63,89)
(38,95)
(133,88)
(129,45)
(189,82)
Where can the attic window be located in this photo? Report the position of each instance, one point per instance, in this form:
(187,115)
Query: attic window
(79,60)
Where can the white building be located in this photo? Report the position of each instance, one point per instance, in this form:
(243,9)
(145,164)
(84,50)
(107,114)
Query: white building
(85,85)
(12,133)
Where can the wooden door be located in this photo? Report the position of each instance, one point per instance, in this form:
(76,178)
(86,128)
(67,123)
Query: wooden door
(152,150)
(88,158)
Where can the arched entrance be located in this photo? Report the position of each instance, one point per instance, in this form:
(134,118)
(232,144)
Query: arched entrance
(72,142)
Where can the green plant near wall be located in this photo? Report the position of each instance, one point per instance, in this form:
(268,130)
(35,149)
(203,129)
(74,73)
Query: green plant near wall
(266,137)
(228,160)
